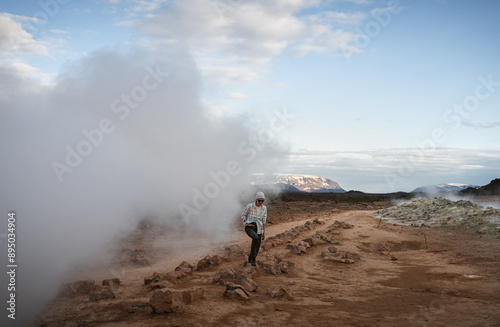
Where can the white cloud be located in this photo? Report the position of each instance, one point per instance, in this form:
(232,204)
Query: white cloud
(15,41)
(387,170)
(339,18)
(237,41)
(56,31)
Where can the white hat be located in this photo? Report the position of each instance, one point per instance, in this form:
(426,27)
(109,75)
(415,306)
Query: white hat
(260,195)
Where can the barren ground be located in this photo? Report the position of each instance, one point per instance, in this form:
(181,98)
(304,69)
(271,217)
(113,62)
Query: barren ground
(405,276)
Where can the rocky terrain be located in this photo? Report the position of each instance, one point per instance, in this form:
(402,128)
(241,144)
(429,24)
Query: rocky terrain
(440,211)
(326,261)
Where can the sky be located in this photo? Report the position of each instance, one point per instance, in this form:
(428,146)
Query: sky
(367,81)
(119,110)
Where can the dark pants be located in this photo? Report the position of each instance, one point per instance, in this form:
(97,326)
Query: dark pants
(251,231)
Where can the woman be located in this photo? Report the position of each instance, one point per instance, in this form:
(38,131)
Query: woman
(254,220)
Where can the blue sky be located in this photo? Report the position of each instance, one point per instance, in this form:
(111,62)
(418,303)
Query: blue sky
(374,85)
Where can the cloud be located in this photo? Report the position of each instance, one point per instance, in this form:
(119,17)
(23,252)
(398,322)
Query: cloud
(15,41)
(388,170)
(56,31)
(119,136)
(238,41)
(338,18)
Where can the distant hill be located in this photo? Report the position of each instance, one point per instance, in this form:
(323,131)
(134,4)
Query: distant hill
(449,187)
(493,188)
(302,183)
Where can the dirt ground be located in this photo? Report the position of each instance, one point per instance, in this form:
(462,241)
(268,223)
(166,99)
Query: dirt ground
(398,275)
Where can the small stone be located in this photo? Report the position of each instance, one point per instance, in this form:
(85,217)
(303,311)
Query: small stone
(278,291)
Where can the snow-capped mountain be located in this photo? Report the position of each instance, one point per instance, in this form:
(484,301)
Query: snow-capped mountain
(449,187)
(303,183)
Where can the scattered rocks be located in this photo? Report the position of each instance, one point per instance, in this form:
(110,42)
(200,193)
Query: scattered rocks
(440,211)
(168,300)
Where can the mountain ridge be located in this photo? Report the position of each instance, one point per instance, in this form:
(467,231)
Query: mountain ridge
(297,182)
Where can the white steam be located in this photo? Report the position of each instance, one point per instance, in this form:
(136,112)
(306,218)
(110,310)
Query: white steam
(120,136)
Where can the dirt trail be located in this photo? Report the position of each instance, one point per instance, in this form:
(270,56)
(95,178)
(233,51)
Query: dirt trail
(404,276)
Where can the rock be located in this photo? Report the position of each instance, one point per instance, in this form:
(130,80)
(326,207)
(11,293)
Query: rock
(332,249)
(296,248)
(314,240)
(160,285)
(351,256)
(248,284)
(193,294)
(113,283)
(152,279)
(278,291)
(270,266)
(183,269)
(225,275)
(77,287)
(236,291)
(284,266)
(329,254)
(208,262)
(384,247)
(167,300)
(100,293)
(318,222)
